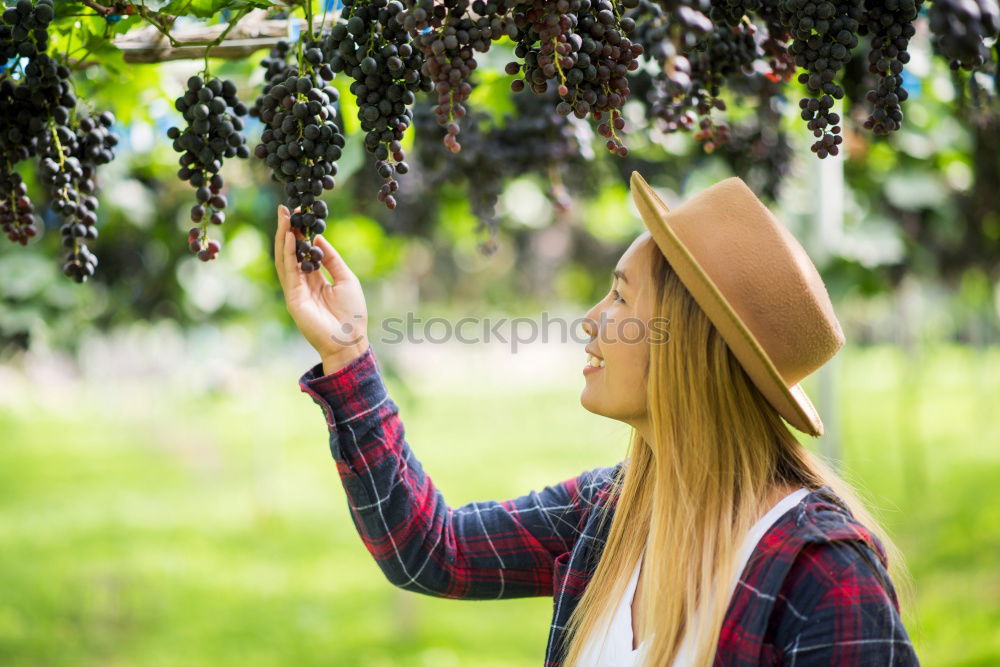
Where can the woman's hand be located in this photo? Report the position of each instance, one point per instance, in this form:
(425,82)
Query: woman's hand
(332,316)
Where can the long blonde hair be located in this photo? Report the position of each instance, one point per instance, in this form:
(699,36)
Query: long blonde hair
(693,493)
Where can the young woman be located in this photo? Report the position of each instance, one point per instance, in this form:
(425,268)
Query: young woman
(719,539)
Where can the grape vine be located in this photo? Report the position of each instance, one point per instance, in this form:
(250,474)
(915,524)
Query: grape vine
(416,62)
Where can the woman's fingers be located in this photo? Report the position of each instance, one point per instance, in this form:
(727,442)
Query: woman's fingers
(333,262)
(279,242)
(286,263)
(315,279)
(292,272)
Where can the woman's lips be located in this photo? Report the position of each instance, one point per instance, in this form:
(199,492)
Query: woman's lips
(589,367)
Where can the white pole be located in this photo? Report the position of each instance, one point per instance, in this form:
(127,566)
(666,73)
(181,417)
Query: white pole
(828,188)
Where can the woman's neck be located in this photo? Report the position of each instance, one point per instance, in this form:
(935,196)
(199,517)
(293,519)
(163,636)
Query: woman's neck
(776,493)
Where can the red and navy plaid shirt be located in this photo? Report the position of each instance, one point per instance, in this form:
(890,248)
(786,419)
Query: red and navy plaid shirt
(814,592)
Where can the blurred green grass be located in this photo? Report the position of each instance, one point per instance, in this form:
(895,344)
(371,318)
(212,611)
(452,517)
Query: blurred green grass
(213,529)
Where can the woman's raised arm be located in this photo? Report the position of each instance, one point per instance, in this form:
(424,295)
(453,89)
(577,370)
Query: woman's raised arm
(481,550)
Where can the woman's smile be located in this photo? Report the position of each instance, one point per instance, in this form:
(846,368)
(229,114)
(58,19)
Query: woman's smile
(593,364)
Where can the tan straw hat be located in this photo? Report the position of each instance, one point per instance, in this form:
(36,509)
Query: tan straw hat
(755,283)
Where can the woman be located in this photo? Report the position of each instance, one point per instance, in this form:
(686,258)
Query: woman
(758,553)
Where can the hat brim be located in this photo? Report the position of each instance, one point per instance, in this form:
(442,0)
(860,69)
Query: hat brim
(791,402)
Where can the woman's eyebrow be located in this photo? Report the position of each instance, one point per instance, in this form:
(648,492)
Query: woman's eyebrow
(620,274)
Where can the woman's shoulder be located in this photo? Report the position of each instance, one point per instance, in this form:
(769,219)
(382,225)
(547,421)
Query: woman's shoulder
(836,594)
(822,522)
(837,605)
(818,543)
(816,591)
(809,549)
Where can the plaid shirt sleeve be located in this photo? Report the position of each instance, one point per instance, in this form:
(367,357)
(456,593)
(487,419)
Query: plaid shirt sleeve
(838,607)
(479,551)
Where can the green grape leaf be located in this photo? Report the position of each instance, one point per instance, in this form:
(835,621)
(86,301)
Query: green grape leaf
(124,25)
(109,55)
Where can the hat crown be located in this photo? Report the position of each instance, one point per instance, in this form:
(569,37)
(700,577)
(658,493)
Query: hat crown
(764,273)
(755,282)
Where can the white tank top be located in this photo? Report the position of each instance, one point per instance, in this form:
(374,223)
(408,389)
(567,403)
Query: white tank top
(611,644)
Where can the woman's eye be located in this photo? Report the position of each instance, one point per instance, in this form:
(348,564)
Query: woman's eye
(618,297)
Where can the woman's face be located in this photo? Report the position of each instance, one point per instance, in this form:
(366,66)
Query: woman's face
(618,328)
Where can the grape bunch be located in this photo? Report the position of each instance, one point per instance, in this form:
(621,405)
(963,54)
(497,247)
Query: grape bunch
(447,34)
(16,208)
(960,29)
(551,26)
(534,139)
(374,49)
(41,120)
(686,88)
(23,114)
(759,149)
(301,144)
(774,43)
(537,139)
(95,142)
(585,44)
(688,21)
(24,31)
(275,69)
(823,35)
(727,51)
(40,110)
(478,165)
(670,80)
(28,104)
(69,168)
(213,133)
(731,12)
(890,23)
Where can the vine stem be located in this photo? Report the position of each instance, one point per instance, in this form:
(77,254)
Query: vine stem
(100,9)
(555,58)
(309,17)
(611,115)
(69,43)
(222,36)
(145,14)
(107,32)
(322,21)
(62,161)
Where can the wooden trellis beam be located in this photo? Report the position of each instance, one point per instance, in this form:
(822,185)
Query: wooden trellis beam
(253,33)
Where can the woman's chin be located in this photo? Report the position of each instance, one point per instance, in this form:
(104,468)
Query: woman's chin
(587,400)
